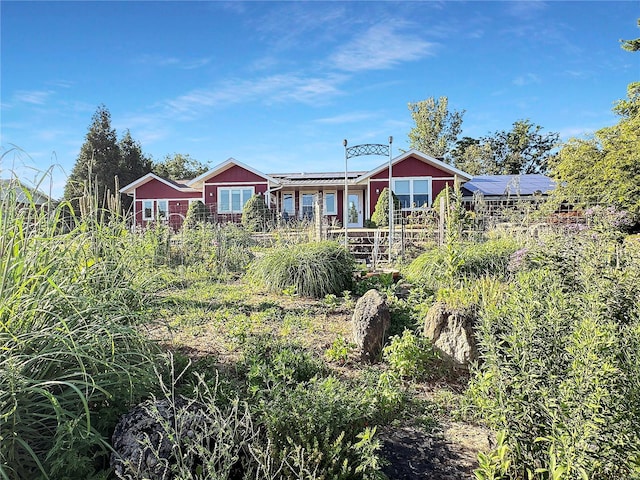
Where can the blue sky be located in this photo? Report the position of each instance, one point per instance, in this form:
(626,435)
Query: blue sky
(279,85)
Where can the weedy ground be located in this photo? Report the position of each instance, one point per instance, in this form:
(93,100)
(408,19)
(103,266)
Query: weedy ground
(211,322)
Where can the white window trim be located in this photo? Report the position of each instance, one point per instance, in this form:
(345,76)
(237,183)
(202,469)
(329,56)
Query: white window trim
(335,203)
(231,211)
(153,210)
(411,180)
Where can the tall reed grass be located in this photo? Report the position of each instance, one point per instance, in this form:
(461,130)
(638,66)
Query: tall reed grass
(71,359)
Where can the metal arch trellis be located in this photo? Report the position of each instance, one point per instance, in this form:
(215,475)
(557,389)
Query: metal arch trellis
(367,149)
(360,150)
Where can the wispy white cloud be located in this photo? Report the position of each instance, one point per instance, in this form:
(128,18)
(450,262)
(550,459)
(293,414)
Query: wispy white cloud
(348,118)
(170,61)
(266,90)
(34,97)
(526,79)
(576,132)
(382,46)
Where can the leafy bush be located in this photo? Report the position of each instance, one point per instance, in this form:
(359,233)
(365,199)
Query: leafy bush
(412,357)
(325,419)
(313,269)
(273,362)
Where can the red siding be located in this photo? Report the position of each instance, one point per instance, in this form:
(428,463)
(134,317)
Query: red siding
(437,186)
(412,167)
(236,174)
(156,189)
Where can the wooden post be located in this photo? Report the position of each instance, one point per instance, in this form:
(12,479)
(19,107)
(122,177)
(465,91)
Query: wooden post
(443,210)
(318,217)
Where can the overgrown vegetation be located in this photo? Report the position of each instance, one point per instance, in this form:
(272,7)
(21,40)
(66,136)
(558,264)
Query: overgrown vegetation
(259,339)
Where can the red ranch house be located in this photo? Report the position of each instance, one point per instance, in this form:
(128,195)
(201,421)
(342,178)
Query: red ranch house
(417,179)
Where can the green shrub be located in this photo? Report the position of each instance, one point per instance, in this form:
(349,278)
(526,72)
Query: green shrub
(197,213)
(412,357)
(380,217)
(256,216)
(312,269)
(271,362)
(323,422)
(454,262)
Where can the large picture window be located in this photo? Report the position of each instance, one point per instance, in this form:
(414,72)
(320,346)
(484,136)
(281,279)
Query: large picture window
(232,200)
(413,192)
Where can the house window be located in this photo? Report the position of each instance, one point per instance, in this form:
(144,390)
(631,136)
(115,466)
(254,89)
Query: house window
(163,209)
(232,200)
(147,210)
(330,203)
(413,192)
(288,205)
(306,207)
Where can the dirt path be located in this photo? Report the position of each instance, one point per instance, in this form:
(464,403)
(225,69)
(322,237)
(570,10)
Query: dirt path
(450,454)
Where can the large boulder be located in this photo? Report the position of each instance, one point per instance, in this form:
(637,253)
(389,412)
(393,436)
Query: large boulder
(371,320)
(154,436)
(451,332)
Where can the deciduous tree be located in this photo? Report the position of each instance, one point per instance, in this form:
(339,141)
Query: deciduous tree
(605,168)
(436,129)
(524,149)
(179,167)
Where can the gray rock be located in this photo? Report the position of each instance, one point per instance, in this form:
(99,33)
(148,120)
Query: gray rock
(371,320)
(148,438)
(452,334)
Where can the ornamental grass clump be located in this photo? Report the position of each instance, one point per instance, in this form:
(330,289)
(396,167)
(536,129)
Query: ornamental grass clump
(71,359)
(311,269)
(457,261)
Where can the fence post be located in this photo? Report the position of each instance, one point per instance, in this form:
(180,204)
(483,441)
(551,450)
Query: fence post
(443,210)
(318,217)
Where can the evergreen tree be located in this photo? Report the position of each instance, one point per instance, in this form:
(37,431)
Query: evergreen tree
(197,213)
(98,161)
(133,164)
(381,213)
(256,216)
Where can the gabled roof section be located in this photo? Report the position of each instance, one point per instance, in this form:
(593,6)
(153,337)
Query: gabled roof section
(129,189)
(421,156)
(499,185)
(13,188)
(224,166)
